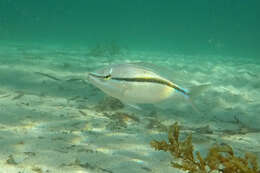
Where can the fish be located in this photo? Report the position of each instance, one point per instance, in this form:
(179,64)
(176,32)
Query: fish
(47,75)
(135,84)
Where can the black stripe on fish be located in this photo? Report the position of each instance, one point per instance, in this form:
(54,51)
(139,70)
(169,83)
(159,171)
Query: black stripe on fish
(145,79)
(100,76)
(151,80)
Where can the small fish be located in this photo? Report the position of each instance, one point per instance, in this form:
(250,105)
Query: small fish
(47,75)
(135,84)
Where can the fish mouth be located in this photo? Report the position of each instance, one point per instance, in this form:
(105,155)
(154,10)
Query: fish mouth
(95,75)
(90,76)
(93,79)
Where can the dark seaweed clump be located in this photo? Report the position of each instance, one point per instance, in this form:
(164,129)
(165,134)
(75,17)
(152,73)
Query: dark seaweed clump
(220,158)
(120,120)
(109,104)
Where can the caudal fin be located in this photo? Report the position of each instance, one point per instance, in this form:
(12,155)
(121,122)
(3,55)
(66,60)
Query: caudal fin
(197,90)
(193,93)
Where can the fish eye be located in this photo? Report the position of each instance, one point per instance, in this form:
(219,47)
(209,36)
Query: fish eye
(107,77)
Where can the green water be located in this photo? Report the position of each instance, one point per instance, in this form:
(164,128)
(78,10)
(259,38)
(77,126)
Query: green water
(53,120)
(224,27)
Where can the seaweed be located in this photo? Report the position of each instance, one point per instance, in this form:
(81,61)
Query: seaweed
(155,124)
(11,161)
(37,169)
(120,120)
(30,154)
(109,104)
(220,158)
(117,124)
(126,117)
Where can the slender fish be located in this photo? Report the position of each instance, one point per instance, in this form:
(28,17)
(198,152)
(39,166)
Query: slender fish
(134,84)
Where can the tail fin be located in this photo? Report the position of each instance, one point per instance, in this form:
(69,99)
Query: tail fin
(197,90)
(194,92)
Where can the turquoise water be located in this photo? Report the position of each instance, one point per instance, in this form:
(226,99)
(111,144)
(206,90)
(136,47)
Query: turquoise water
(53,120)
(229,27)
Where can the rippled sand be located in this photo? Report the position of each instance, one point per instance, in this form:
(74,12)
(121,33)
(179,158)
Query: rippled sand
(50,121)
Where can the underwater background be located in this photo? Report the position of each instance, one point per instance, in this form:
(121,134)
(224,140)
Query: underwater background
(225,27)
(52,120)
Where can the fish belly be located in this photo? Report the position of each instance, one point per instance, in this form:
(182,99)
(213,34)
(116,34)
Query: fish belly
(138,92)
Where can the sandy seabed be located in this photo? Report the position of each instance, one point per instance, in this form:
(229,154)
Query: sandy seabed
(51,122)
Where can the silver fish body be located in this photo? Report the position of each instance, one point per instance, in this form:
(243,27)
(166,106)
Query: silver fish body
(133,83)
